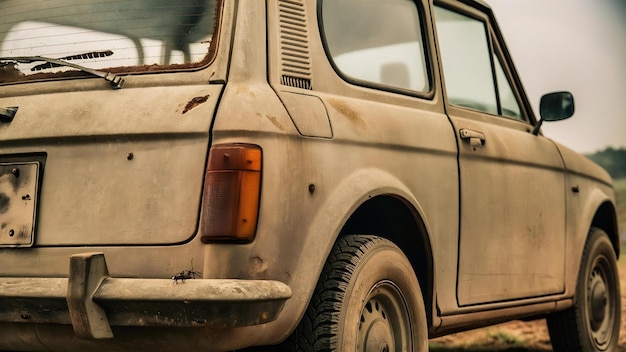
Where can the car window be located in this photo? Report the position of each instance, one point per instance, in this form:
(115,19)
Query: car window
(377,41)
(469,65)
(120,36)
(508,102)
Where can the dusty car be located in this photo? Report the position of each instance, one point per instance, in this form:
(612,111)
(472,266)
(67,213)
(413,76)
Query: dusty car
(302,174)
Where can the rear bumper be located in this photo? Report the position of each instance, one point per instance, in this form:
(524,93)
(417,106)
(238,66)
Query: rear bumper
(92,302)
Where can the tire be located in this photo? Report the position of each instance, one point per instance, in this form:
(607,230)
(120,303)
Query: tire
(367,299)
(593,323)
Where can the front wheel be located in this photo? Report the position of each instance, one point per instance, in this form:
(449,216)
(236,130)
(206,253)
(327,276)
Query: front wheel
(367,299)
(593,324)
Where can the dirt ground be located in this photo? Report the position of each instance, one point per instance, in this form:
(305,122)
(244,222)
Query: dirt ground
(518,336)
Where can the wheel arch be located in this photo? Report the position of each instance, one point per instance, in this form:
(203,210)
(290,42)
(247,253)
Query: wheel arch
(343,211)
(397,220)
(605,218)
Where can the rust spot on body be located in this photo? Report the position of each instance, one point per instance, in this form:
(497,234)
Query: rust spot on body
(347,111)
(5,201)
(9,72)
(195,102)
(258,267)
(244,89)
(275,122)
(272,119)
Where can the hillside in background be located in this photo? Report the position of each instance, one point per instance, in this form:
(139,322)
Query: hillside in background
(612,160)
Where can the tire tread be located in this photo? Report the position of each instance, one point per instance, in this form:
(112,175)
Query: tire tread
(566,327)
(317,330)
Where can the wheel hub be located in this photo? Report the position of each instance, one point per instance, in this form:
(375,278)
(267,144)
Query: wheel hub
(385,324)
(375,328)
(598,298)
(378,338)
(600,304)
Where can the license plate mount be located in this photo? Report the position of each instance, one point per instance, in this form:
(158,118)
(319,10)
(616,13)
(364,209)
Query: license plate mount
(18,203)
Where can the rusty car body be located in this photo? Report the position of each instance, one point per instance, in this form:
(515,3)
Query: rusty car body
(301,174)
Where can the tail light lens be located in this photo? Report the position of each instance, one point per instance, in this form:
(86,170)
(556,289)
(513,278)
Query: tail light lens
(232,187)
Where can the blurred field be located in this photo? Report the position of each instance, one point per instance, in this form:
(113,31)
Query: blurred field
(532,336)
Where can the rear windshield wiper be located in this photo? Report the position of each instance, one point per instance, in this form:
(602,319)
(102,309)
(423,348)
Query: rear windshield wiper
(116,81)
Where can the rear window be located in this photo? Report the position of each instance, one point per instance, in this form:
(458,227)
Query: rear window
(111,35)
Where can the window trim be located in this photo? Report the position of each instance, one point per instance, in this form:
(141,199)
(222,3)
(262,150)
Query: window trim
(498,48)
(428,57)
(510,77)
(485,24)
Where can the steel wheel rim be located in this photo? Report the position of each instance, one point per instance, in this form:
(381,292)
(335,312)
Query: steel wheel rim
(600,303)
(385,323)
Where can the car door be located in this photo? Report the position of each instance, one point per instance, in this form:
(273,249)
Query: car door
(512,200)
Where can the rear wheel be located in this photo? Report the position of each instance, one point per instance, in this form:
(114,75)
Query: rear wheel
(593,323)
(367,299)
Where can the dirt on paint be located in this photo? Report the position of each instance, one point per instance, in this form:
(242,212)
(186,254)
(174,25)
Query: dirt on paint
(517,336)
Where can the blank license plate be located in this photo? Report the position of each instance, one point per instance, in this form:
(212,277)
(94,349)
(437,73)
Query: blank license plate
(18,202)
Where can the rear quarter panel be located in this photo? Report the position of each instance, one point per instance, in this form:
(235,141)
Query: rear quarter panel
(382,144)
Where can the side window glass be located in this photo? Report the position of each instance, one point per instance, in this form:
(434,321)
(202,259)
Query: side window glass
(466,60)
(508,102)
(377,41)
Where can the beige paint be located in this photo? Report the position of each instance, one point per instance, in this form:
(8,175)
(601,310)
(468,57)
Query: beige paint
(501,226)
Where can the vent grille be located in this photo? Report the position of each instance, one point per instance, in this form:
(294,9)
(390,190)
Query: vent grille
(294,44)
(296,82)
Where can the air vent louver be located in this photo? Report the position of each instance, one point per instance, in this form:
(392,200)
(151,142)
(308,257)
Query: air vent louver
(294,44)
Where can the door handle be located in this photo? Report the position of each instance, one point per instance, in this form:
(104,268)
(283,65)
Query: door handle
(475,138)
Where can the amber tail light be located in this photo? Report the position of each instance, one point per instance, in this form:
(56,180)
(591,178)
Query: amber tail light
(232,187)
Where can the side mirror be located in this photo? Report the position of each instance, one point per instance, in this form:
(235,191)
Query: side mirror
(555,107)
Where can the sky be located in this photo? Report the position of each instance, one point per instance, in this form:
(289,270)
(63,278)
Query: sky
(577,46)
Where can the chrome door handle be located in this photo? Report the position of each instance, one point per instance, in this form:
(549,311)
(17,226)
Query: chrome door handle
(475,138)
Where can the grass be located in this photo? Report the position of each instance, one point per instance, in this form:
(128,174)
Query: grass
(435,348)
(488,339)
(505,339)
(493,341)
